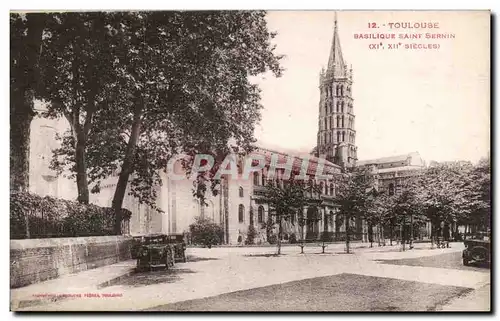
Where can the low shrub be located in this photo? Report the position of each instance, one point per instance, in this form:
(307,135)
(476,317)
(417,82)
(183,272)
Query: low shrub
(251,234)
(272,239)
(205,232)
(44,217)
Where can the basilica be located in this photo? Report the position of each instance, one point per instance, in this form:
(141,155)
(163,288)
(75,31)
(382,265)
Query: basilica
(238,205)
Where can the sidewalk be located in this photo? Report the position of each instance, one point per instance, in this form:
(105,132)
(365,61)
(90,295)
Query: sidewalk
(477,300)
(66,287)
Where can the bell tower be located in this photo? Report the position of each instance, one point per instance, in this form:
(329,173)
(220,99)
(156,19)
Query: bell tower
(336,139)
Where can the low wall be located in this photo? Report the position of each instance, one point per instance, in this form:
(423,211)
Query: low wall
(37,260)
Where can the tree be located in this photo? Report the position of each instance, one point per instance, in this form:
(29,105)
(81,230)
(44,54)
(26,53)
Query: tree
(408,206)
(25,38)
(183,79)
(355,186)
(79,82)
(446,194)
(284,198)
(204,231)
(376,213)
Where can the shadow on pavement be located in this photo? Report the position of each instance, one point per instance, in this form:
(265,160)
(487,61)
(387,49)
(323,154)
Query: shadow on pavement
(193,258)
(264,255)
(445,261)
(154,276)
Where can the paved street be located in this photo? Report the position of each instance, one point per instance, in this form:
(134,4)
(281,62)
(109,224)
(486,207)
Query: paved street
(251,278)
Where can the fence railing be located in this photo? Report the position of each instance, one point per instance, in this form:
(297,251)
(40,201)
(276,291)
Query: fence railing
(333,236)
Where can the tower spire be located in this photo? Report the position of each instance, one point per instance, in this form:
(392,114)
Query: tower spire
(336,64)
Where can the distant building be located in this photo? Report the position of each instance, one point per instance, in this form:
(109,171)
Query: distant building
(390,172)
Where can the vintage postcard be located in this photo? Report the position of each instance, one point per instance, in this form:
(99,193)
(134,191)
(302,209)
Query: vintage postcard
(250,161)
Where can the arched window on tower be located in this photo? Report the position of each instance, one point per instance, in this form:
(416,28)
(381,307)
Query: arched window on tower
(241,213)
(338,106)
(342,106)
(338,121)
(338,136)
(343,136)
(337,90)
(241,191)
(342,90)
(342,121)
(325,123)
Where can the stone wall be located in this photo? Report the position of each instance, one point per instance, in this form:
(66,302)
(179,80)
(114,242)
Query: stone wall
(37,260)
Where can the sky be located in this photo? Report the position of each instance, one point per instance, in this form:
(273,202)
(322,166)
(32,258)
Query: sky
(435,102)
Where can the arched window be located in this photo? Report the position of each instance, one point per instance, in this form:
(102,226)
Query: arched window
(342,90)
(343,136)
(325,124)
(338,121)
(255,178)
(241,213)
(338,106)
(241,191)
(342,106)
(332,189)
(338,136)
(342,121)
(260,214)
(263,178)
(391,189)
(337,90)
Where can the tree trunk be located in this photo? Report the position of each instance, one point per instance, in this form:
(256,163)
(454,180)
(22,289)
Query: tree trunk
(347,249)
(391,232)
(20,121)
(379,235)
(81,171)
(411,231)
(370,234)
(25,74)
(280,228)
(127,168)
(401,236)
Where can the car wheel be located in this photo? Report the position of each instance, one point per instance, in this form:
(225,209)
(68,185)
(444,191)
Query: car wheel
(466,262)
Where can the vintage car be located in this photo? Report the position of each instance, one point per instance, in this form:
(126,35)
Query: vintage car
(155,250)
(177,240)
(477,250)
